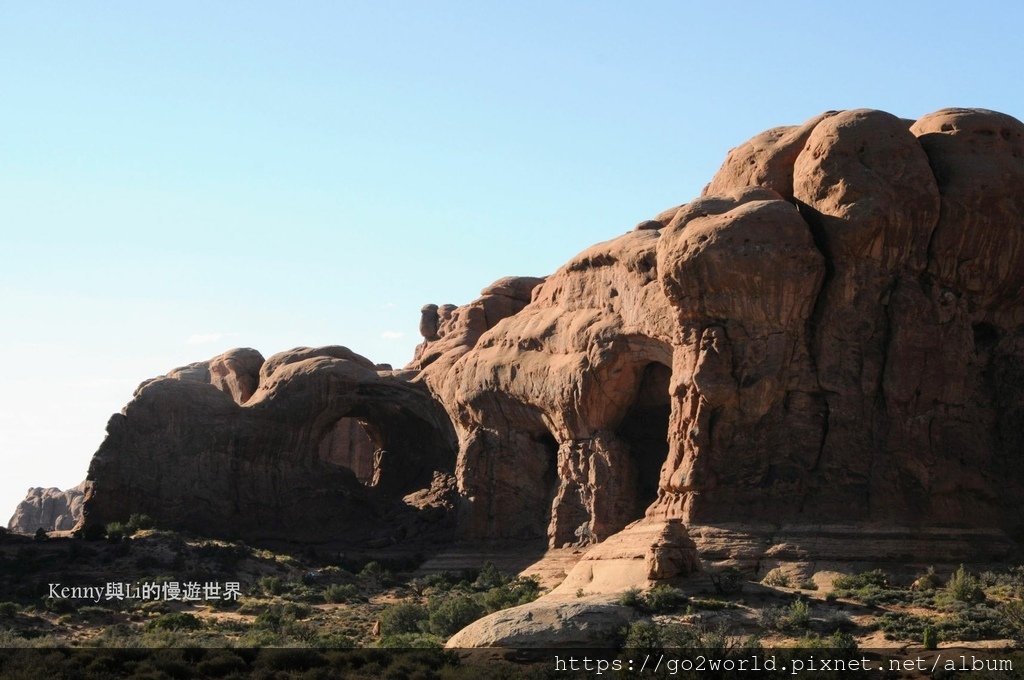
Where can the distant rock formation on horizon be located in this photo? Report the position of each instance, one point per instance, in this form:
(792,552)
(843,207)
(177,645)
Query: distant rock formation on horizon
(821,357)
(49,509)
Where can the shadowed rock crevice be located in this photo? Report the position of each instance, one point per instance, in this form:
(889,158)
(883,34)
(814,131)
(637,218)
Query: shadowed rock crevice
(644,429)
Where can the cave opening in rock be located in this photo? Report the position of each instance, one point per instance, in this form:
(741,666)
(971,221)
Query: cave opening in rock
(387,447)
(549,480)
(645,429)
(349,444)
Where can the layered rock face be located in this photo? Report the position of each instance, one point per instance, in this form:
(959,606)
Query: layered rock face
(321,450)
(822,353)
(49,509)
(829,337)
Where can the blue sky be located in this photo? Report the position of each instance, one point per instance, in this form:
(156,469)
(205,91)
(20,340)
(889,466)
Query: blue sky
(177,179)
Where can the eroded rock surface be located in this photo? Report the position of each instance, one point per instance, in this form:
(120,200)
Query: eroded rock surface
(49,509)
(290,463)
(824,349)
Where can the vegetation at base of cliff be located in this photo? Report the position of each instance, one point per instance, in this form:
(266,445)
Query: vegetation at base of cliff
(322,601)
(308,599)
(448,603)
(660,599)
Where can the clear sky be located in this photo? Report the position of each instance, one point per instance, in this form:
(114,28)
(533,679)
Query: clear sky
(180,178)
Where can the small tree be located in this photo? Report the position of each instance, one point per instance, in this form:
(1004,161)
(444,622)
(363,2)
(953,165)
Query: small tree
(929,638)
(41,534)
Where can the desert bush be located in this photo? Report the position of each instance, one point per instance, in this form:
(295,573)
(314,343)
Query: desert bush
(876,578)
(95,614)
(929,638)
(221,664)
(271,585)
(807,584)
(343,592)
(963,586)
(658,600)
(662,598)
(632,598)
(838,641)
(411,641)
(490,577)
(927,581)
(449,615)
(116,531)
(776,578)
(1013,614)
(334,641)
(376,575)
(175,621)
(513,593)
(404,617)
(903,626)
(771,617)
(798,614)
(643,636)
(138,522)
(41,535)
(8,610)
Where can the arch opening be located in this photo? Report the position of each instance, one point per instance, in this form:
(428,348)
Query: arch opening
(349,444)
(644,429)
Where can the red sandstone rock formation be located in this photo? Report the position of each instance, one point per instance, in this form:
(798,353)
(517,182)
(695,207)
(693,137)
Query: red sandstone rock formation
(50,509)
(286,463)
(822,355)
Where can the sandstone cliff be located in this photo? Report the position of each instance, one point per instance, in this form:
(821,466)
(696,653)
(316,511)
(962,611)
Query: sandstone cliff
(821,355)
(49,509)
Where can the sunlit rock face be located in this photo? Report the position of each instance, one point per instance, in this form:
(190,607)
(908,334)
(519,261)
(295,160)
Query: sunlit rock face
(821,356)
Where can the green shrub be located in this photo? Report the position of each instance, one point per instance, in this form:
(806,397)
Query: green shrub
(842,642)
(808,584)
(222,663)
(404,617)
(271,585)
(449,615)
(116,531)
(334,641)
(927,581)
(1012,613)
(659,599)
(175,621)
(776,578)
(41,534)
(798,615)
(519,591)
(662,599)
(632,598)
(411,641)
(490,578)
(903,626)
(137,522)
(8,610)
(963,586)
(865,579)
(929,638)
(344,592)
(642,636)
(376,575)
